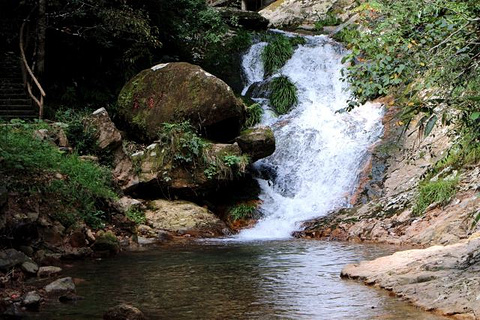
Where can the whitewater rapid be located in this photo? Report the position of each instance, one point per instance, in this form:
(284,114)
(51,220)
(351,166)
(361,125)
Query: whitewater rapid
(319,151)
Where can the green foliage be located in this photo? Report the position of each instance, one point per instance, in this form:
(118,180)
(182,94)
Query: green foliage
(136,215)
(183,143)
(440,191)
(242,211)
(425,53)
(276,53)
(330,20)
(81,136)
(190,26)
(254,115)
(82,186)
(283,95)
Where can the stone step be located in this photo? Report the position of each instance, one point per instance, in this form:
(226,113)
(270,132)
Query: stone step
(14,102)
(17,113)
(9,96)
(26,107)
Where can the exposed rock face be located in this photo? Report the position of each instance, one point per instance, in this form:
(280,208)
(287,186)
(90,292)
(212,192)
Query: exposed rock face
(287,13)
(442,279)
(107,135)
(398,165)
(249,20)
(183,217)
(124,312)
(173,92)
(258,142)
(10,258)
(60,286)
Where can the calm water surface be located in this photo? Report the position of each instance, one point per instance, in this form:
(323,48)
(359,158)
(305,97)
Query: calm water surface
(233,280)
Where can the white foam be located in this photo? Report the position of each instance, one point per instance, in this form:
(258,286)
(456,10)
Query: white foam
(319,151)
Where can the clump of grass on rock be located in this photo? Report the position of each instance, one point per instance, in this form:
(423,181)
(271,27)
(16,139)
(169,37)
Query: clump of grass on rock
(283,94)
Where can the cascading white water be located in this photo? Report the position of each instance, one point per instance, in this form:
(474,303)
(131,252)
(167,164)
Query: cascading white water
(319,151)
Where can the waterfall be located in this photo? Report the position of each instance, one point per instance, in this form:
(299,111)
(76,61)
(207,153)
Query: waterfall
(319,152)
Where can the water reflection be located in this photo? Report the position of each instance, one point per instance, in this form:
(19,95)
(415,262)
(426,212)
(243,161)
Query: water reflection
(234,280)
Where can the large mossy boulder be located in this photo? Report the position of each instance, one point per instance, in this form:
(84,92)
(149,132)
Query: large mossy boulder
(174,92)
(183,217)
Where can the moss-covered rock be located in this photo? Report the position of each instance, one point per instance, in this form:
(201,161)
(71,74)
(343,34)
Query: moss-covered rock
(258,142)
(174,92)
(160,172)
(106,242)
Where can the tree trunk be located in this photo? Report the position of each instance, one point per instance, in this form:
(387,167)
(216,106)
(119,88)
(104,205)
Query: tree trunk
(42,28)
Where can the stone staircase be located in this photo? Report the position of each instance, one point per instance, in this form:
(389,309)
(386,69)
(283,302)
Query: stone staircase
(14,100)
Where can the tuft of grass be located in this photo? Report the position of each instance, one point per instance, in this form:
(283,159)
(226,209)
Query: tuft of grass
(284,94)
(278,51)
(441,191)
(242,211)
(254,115)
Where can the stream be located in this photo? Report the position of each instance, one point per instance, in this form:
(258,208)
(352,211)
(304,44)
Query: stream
(263,273)
(288,279)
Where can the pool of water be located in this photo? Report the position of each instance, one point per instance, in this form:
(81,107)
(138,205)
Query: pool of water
(294,279)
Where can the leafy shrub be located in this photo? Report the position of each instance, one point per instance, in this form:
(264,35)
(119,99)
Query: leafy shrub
(425,53)
(183,143)
(276,54)
(440,191)
(136,215)
(82,187)
(283,95)
(330,20)
(242,211)
(254,115)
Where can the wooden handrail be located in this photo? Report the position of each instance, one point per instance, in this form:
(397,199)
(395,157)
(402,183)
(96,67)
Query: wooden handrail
(29,72)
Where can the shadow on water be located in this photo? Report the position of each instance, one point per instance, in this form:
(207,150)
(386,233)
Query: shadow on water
(234,280)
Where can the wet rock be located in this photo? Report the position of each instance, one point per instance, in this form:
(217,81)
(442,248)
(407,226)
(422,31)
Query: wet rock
(32,300)
(69,297)
(30,267)
(174,92)
(60,286)
(106,242)
(10,258)
(443,279)
(48,271)
(107,135)
(124,312)
(249,20)
(78,239)
(257,142)
(183,217)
